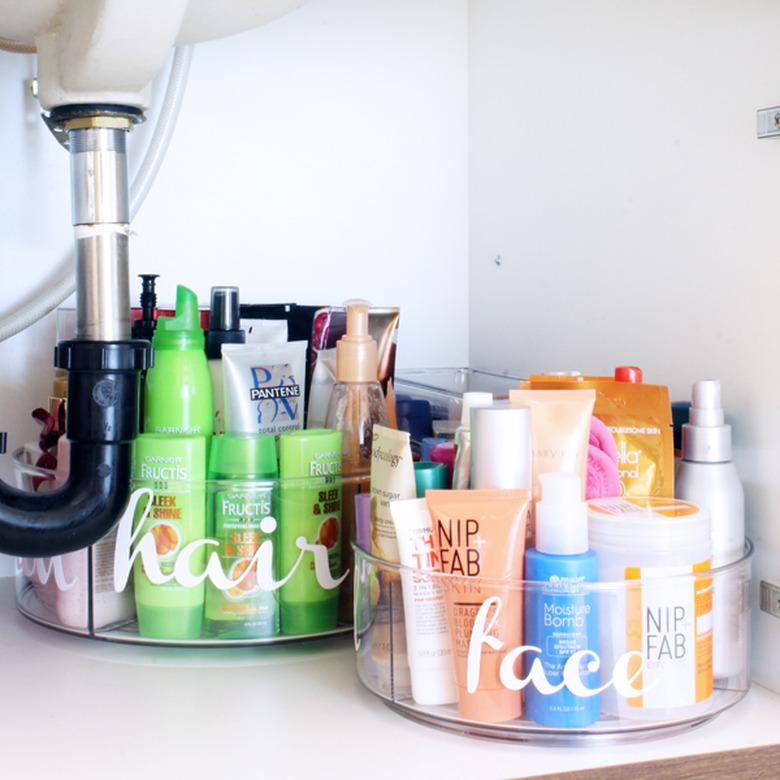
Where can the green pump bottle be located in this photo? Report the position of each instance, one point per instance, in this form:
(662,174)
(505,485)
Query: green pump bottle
(178,397)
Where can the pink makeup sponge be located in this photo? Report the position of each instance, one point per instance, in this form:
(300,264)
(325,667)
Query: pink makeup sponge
(602,439)
(603,479)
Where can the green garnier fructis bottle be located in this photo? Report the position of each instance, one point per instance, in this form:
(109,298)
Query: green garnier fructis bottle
(173,469)
(241,517)
(178,398)
(309,509)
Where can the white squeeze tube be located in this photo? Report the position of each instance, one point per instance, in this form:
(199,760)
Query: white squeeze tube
(427,633)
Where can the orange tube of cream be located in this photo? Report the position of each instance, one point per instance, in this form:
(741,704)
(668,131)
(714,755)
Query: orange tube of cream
(480,538)
(560,429)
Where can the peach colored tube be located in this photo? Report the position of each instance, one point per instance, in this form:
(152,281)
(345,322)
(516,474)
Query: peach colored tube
(560,430)
(481,534)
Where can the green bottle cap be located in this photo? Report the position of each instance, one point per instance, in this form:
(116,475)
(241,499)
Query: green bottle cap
(429,476)
(243,456)
(312,453)
(182,331)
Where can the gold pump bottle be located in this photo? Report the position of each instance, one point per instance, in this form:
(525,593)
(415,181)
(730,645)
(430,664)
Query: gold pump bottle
(356,405)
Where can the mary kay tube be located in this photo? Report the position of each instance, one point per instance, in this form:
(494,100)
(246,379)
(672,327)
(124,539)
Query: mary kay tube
(480,538)
(560,428)
(427,634)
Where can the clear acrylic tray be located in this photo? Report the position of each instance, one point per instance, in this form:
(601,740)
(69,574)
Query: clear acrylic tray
(443,388)
(666,653)
(216,563)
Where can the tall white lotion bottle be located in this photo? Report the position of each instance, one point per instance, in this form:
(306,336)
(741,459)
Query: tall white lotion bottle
(707,476)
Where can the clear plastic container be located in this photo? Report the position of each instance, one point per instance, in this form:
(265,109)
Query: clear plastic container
(443,388)
(484,620)
(27,475)
(214,563)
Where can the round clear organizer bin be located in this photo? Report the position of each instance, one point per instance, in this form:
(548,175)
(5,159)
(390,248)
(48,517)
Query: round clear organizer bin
(553,663)
(215,563)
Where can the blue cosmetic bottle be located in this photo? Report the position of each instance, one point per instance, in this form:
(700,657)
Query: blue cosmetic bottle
(560,615)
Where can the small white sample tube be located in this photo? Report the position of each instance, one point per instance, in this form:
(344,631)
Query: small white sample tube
(427,633)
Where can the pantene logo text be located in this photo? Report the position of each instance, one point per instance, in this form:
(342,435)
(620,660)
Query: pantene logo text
(129,547)
(622,679)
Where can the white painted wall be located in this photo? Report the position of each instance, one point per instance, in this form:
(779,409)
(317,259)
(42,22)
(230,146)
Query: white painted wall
(320,158)
(614,167)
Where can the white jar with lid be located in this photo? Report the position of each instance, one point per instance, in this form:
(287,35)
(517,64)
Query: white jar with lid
(661,544)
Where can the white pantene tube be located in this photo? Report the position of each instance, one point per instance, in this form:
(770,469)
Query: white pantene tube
(425,612)
(29,312)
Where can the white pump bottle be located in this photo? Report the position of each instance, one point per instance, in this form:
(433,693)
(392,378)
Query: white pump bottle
(706,476)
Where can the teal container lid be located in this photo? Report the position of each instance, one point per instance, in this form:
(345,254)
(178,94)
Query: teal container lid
(429,476)
(313,453)
(242,456)
(183,331)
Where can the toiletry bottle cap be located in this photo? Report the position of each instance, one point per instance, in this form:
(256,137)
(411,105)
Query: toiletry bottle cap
(561,515)
(300,450)
(183,330)
(224,321)
(224,309)
(445,454)
(429,476)
(631,374)
(143,327)
(357,359)
(148,299)
(60,384)
(470,401)
(681,413)
(706,438)
(243,456)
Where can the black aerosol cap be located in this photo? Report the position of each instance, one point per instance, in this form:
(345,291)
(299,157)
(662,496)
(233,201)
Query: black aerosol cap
(224,321)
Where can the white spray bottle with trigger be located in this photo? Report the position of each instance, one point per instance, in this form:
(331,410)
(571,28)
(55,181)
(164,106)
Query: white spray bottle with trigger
(706,476)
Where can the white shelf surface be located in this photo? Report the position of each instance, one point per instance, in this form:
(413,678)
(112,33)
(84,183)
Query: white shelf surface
(81,708)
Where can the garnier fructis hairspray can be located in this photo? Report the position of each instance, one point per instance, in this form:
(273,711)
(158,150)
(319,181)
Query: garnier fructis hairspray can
(242,517)
(310,509)
(169,594)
